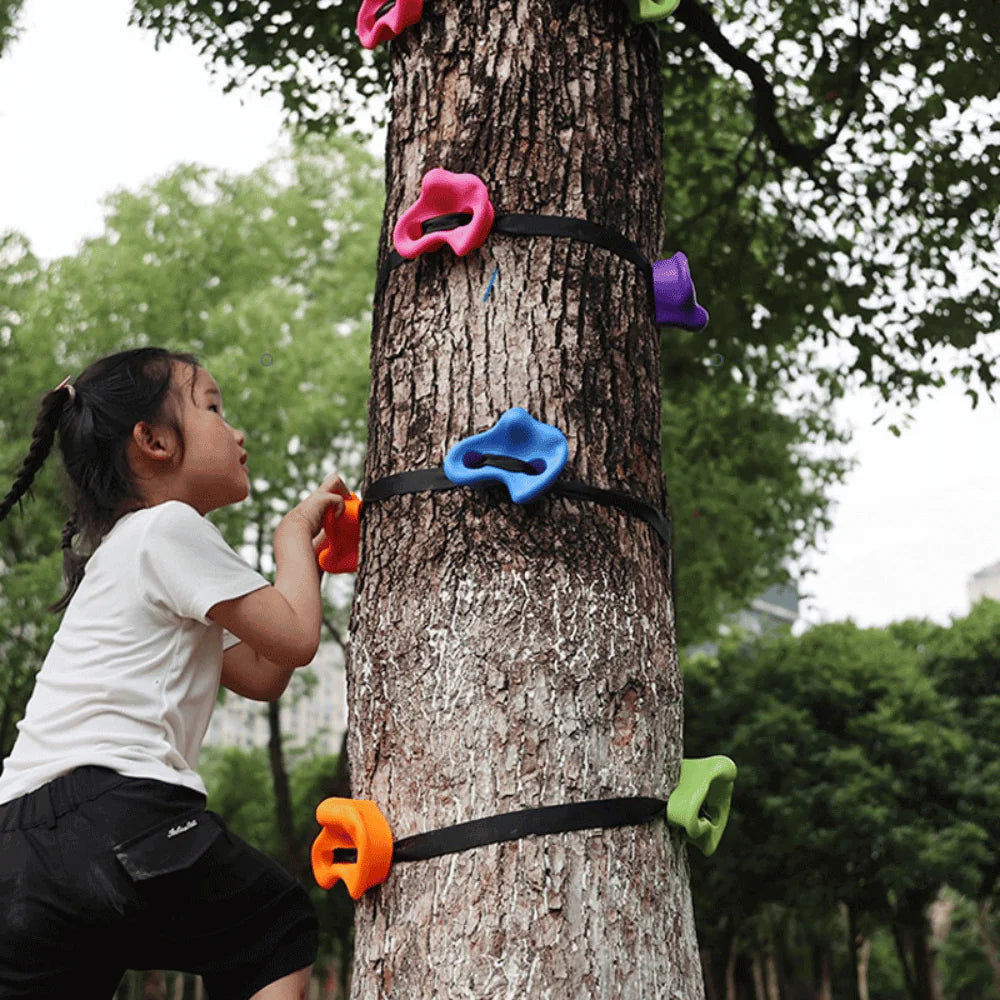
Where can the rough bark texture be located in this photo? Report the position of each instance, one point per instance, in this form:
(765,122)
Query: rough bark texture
(508,657)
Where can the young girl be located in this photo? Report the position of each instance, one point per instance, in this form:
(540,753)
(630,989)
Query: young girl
(108,857)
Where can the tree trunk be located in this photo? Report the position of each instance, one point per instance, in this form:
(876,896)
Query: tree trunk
(282,793)
(507,657)
(821,972)
(853,938)
(711,993)
(941,912)
(901,937)
(864,955)
(916,957)
(923,962)
(758,978)
(990,948)
(731,971)
(771,975)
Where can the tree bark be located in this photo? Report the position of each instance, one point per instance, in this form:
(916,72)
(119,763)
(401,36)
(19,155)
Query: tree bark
(821,972)
(864,956)
(923,962)
(771,975)
(915,956)
(731,971)
(900,940)
(990,948)
(853,937)
(507,657)
(758,978)
(711,993)
(282,790)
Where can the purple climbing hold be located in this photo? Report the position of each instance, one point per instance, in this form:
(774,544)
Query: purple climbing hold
(673,293)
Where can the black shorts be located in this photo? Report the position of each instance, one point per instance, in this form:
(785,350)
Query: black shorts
(100,873)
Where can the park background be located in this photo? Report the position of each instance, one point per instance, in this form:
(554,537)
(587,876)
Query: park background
(88,108)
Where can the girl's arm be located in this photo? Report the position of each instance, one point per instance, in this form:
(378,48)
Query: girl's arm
(246,673)
(281,623)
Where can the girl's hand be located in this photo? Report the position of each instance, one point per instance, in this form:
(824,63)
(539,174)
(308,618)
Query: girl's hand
(312,510)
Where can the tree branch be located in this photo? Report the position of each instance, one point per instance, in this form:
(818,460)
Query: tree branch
(699,20)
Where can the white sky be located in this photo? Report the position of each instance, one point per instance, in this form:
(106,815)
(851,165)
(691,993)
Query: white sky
(88,106)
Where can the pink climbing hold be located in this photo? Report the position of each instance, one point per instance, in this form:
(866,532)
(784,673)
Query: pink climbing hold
(452,208)
(380,20)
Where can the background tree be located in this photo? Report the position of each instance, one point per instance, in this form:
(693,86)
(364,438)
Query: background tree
(852,791)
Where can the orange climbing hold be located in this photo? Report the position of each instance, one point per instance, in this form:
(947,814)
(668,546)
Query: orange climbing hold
(340,553)
(356,827)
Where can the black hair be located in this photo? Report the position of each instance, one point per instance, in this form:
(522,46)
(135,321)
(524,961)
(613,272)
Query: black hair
(95,425)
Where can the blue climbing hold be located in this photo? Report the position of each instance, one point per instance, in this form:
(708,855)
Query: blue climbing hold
(519,451)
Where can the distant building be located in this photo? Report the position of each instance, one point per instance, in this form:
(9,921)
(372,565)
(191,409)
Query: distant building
(317,718)
(985,583)
(777,609)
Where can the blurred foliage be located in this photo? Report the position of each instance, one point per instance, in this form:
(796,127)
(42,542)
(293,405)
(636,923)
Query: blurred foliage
(9,12)
(861,790)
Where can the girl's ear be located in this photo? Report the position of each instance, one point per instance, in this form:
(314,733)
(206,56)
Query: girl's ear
(152,442)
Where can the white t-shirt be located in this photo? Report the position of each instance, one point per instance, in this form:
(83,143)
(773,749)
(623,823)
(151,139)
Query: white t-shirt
(134,670)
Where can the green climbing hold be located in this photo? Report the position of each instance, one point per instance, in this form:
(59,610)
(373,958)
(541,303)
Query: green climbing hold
(700,802)
(650,10)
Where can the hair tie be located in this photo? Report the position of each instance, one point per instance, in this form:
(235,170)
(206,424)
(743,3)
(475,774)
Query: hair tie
(64,384)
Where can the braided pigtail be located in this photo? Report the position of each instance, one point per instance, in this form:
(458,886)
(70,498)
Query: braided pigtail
(42,438)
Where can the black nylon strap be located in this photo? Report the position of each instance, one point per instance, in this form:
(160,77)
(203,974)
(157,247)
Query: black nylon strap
(543,225)
(574,229)
(421,480)
(599,813)
(527,823)
(418,481)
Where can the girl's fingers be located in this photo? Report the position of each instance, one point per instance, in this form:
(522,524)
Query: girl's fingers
(334,483)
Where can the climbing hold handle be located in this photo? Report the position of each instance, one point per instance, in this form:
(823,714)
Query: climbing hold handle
(452,208)
(351,825)
(700,802)
(674,295)
(519,451)
(340,551)
(380,20)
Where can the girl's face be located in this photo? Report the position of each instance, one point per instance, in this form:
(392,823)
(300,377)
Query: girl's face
(213,473)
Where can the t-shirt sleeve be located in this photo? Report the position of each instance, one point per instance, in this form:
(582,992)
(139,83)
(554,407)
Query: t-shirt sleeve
(186,566)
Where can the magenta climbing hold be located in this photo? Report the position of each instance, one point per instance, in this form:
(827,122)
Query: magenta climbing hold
(674,295)
(380,20)
(452,208)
